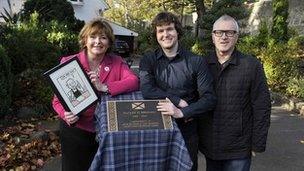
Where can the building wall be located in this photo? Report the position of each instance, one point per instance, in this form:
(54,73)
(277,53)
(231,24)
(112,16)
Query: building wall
(89,9)
(16,6)
(262,11)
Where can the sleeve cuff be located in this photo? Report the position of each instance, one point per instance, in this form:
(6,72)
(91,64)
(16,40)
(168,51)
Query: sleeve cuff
(175,100)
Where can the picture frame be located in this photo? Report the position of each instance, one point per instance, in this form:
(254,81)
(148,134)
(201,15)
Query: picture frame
(72,86)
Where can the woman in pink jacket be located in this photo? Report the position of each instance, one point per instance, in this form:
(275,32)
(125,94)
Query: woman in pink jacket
(110,75)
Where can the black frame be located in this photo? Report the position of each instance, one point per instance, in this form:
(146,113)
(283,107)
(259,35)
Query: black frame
(60,93)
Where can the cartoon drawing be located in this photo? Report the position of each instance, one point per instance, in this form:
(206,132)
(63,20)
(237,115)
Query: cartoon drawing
(76,90)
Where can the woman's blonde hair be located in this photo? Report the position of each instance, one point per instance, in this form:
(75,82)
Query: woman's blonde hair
(96,26)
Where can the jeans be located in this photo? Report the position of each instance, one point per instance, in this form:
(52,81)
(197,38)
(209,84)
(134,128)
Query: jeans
(242,164)
(189,133)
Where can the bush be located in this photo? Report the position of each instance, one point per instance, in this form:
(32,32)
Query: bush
(32,91)
(146,41)
(27,46)
(188,39)
(295,87)
(281,64)
(48,10)
(198,48)
(61,37)
(6,83)
(34,48)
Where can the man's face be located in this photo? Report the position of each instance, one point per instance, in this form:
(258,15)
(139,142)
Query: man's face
(167,36)
(224,36)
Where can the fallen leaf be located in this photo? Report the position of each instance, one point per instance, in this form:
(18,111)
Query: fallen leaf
(302,141)
(40,162)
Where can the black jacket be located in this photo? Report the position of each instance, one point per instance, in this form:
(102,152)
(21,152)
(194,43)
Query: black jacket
(240,121)
(184,77)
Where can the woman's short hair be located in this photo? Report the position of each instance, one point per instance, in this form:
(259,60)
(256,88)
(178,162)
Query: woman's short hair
(96,26)
(166,18)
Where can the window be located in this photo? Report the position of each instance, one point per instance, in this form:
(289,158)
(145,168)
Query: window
(77,2)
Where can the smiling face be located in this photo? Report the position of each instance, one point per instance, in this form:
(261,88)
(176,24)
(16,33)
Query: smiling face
(96,37)
(224,36)
(97,44)
(167,36)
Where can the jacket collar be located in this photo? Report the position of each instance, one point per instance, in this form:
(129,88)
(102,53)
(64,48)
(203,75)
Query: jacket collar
(105,64)
(160,53)
(234,59)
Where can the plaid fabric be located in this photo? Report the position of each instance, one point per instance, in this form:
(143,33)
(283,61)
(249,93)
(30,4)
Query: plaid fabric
(142,150)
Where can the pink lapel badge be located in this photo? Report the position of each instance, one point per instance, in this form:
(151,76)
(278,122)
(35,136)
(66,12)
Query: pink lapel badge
(107,69)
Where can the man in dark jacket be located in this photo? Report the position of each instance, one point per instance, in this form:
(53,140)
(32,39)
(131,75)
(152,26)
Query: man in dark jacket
(176,74)
(238,126)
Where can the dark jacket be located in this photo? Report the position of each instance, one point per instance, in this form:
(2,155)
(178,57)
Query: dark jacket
(184,77)
(240,121)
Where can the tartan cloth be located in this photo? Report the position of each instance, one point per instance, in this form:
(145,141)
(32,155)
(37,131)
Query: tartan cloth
(138,150)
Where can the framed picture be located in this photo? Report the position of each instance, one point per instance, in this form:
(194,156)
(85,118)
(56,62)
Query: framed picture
(72,86)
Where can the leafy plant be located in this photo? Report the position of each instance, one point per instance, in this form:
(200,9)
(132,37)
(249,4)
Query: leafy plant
(6,82)
(279,28)
(48,10)
(295,87)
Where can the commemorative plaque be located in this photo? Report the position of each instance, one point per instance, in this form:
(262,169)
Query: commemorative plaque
(136,115)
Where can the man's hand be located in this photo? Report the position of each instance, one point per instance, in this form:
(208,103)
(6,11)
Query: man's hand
(253,154)
(182,103)
(70,118)
(168,108)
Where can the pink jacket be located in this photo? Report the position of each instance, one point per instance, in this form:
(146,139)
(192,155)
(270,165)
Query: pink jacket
(114,72)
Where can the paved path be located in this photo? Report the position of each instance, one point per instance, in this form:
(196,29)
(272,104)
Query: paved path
(284,152)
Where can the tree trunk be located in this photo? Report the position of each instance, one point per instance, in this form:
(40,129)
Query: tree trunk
(200,10)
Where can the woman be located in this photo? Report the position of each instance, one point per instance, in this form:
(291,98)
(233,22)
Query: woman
(109,74)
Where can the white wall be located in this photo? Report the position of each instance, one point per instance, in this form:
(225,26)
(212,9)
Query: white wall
(15,4)
(89,9)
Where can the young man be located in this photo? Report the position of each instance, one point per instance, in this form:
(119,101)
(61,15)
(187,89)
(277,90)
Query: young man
(238,126)
(176,74)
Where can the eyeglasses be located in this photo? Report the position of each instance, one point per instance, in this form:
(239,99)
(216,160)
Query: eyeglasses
(228,33)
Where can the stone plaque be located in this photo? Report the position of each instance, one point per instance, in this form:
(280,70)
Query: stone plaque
(136,115)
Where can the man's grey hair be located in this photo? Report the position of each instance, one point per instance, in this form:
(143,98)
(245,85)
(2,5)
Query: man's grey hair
(227,18)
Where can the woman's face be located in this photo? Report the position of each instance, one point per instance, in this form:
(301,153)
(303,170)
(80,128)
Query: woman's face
(97,44)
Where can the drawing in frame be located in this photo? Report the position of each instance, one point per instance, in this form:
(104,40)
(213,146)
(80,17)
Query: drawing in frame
(72,86)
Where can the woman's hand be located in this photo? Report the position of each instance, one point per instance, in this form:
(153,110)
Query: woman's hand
(70,118)
(96,82)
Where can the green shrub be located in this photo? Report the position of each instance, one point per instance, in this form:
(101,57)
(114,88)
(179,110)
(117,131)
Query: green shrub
(6,82)
(27,46)
(32,91)
(198,48)
(61,37)
(254,44)
(280,65)
(296,87)
(279,30)
(188,39)
(59,10)
(146,41)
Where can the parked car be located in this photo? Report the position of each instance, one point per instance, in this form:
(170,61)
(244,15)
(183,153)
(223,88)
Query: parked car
(121,48)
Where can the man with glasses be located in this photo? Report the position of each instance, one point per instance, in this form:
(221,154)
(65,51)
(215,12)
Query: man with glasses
(238,126)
